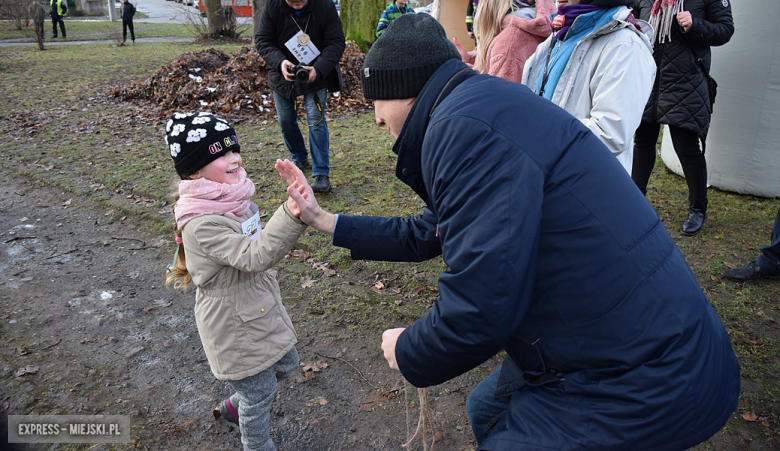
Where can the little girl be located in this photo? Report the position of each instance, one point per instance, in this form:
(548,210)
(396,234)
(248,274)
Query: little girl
(248,338)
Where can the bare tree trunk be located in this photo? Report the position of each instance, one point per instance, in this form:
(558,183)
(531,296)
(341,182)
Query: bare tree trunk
(257,11)
(214,16)
(359,19)
(39,36)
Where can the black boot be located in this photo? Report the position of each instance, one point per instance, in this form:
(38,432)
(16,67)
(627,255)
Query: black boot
(694,222)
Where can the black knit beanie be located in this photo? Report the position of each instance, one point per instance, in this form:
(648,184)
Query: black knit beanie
(195,140)
(403,59)
(608,3)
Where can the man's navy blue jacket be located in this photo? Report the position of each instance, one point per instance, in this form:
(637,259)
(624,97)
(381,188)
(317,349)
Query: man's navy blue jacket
(555,256)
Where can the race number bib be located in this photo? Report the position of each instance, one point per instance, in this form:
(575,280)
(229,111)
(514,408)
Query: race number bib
(251,227)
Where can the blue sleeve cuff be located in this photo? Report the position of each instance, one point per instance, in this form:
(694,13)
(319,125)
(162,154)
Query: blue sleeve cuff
(342,232)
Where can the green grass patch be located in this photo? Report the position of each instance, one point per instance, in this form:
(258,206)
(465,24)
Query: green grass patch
(98,29)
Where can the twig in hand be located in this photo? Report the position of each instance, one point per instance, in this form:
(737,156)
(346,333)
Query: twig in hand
(353,367)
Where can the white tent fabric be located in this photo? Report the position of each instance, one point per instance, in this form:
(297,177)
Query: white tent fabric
(743,146)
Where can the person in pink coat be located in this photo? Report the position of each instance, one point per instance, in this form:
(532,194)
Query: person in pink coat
(508,32)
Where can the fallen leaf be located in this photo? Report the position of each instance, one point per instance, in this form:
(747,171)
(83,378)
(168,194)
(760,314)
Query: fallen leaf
(134,351)
(709,256)
(314,365)
(714,278)
(398,302)
(161,303)
(418,290)
(318,401)
(749,416)
(307,282)
(437,437)
(29,369)
(379,285)
(729,265)
(300,254)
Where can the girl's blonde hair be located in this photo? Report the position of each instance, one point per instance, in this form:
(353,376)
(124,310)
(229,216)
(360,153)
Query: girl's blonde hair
(487,25)
(176,274)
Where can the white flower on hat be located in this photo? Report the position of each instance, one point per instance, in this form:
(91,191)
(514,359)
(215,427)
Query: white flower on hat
(196,135)
(220,126)
(175,149)
(168,126)
(178,128)
(201,120)
(181,115)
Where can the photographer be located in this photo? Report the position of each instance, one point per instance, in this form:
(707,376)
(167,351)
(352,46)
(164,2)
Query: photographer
(296,36)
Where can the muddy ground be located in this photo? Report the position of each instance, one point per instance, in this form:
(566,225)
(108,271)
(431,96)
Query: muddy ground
(83,310)
(83,306)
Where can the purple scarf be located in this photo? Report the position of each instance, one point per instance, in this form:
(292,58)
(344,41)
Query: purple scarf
(565,17)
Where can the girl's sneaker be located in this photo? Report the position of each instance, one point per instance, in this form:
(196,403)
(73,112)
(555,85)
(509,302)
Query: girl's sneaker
(227,411)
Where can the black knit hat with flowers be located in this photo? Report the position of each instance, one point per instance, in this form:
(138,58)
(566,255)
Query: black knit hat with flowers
(403,59)
(196,139)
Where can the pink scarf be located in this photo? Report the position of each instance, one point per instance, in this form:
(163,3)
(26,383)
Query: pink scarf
(201,197)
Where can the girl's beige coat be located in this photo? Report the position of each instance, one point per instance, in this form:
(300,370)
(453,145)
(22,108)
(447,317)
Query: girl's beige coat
(242,323)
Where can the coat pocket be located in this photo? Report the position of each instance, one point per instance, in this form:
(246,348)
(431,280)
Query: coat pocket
(257,316)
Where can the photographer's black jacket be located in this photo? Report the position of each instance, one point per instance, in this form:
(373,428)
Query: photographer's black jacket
(322,24)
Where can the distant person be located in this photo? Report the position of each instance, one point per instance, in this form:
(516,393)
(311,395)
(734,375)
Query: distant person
(57,11)
(552,255)
(393,11)
(598,66)
(307,35)
(681,96)
(507,36)
(37,14)
(766,265)
(224,251)
(470,11)
(127,11)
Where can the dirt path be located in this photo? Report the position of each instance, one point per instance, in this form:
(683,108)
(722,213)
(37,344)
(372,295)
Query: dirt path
(82,303)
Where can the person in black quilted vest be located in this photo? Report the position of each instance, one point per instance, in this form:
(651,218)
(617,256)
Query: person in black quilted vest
(681,97)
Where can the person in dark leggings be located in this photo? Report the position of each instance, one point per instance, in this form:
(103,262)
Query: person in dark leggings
(681,97)
(766,265)
(694,165)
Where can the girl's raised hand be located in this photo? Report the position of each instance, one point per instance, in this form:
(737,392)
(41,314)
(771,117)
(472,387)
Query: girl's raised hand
(302,202)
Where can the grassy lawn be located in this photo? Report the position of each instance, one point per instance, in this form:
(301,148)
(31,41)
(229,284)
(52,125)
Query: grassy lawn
(100,29)
(65,136)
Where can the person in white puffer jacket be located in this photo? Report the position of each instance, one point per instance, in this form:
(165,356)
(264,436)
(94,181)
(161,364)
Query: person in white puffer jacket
(597,65)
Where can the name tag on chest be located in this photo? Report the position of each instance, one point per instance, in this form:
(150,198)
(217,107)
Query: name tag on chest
(304,53)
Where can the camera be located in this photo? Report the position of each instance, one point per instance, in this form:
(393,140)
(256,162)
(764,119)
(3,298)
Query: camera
(301,74)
